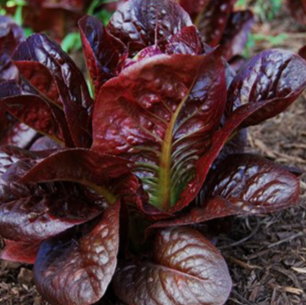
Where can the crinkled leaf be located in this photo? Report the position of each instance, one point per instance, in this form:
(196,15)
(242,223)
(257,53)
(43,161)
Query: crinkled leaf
(186,269)
(70,83)
(32,213)
(102,51)
(275,76)
(76,267)
(31,108)
(212,23)
(242,185)
(187,41)
(236,33)
(161,113)
(139,23)
(108,175)
(41,79)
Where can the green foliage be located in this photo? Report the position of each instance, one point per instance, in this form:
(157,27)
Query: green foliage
(274,41)
(266,10)
(72,42)
(96,9)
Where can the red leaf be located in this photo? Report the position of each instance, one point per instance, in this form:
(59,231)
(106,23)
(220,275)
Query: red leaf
(31,108)
(187,41)
(161,113)
(275,77)
(242,185)
(236,33)
(77,266)
(31,213)
(102,51)
(69,80)
(186,270)
(139,24)
(111,178)
(20,252)
(212,23)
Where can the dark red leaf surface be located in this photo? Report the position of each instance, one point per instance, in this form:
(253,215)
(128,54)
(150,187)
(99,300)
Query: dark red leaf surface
(242,185)
(31,108)
(187,41)
(161,113)
(71,85)
(108,175)
(212,23)
(186,269)
(102,51)
(31,213)
(236,33)
(19,251)
(302,52)
(139,23)
(274,76)
(76,267)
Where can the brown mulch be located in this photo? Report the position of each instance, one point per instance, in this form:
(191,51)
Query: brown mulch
(266,254)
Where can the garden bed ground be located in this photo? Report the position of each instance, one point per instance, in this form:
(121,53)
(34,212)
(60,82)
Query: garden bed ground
(266,254)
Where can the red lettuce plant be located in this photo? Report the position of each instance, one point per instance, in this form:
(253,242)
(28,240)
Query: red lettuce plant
(157,152)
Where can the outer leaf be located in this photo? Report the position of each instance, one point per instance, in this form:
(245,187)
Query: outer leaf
(236,33)
(76,267)
(10,35)
(275,76)
(212,23)
(186,270)
(20,252)
(69,80)
(139,23)
(31,108)
(32,213)
(102,51)
(297,9)
(242,185)
(111,178)
(41,79)
(166,109)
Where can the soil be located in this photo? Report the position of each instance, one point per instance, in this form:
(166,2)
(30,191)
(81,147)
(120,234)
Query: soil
(266,254)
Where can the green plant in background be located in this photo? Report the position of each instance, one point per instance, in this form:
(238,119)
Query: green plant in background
(265,10)
(102,14)
(273,41)
(18,18)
